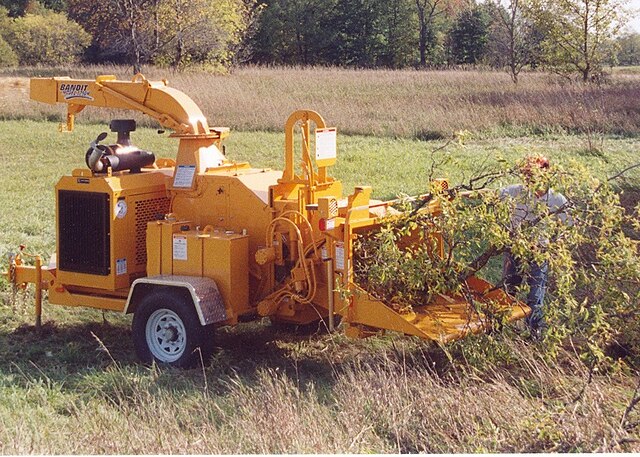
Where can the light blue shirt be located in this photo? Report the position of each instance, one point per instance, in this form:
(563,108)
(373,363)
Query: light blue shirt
(526,203)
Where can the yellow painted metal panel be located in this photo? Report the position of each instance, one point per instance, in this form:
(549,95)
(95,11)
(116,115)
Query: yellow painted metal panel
(61,296)
(171,107)
(84,279)
(27,274)
(154,248)
(168,229)
(447,318)
(187,254)
(226,260)
(44,90)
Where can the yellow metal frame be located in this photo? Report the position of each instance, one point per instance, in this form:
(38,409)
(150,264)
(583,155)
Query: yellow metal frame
(170,107)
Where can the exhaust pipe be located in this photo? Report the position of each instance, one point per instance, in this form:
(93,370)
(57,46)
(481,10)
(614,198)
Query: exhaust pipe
(120,156)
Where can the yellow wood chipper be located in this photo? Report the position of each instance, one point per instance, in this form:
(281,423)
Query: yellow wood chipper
(202,241)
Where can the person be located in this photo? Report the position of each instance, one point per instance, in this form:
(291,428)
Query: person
(530,199)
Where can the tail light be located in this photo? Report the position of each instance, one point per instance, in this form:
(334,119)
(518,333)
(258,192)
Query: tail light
(325,224)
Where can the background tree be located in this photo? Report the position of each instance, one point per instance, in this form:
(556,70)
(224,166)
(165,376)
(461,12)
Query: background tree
(271,39)
(399,20)
(428,11)
(571,35)
(249,15)
(15,7)
(435,19)
(360,38)
(19,8)
(132,14)
(199,31)
(469,35)
(578,33)
(296,32)
(628,49)
(121,29)
(165,32)
(59,6)
(46,38)
(8,57)
(514,41)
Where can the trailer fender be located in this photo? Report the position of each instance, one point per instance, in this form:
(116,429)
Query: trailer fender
(204,293)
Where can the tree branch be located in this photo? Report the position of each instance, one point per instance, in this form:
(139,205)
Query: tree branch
(618,175)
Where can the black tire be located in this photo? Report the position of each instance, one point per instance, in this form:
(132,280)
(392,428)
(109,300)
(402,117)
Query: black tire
(166,329)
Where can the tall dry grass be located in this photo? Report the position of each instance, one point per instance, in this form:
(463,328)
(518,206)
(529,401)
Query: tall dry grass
(403,399)
(407,103)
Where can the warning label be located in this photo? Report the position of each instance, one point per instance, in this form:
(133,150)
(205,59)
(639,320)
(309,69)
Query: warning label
(184,176)
(121,267)
(326,144)
(179,247)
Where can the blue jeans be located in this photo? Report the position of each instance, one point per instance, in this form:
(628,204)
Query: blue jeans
(536,279)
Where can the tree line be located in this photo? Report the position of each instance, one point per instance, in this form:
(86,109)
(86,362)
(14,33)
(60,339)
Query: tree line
(571,37)
(175,33)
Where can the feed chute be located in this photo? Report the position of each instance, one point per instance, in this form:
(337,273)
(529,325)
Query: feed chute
(320,278)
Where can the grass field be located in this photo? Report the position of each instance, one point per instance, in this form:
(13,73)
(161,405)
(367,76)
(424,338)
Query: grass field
(75,387)
(408,104)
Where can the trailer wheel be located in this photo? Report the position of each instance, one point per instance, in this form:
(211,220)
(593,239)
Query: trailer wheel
(166,329)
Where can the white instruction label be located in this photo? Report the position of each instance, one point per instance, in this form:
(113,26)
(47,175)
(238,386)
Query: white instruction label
(184,176)
(121,267)
(326,140)
(339,256)
(179,247)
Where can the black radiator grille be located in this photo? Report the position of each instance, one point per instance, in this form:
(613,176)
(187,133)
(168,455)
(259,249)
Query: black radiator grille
(83,232)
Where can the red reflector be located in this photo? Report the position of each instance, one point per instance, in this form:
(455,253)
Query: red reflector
(326,224)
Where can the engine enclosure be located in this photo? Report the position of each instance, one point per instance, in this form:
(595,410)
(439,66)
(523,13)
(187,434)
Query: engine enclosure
(101,224)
